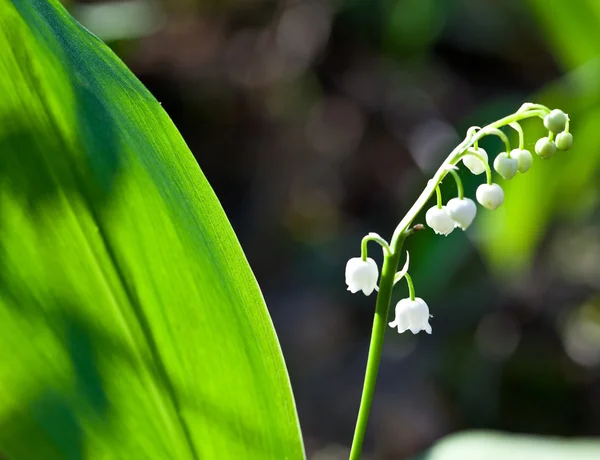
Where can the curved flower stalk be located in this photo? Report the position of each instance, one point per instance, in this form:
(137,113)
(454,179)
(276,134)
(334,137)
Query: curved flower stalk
(412,313)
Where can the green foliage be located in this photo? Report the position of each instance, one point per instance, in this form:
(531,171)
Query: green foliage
(131,324)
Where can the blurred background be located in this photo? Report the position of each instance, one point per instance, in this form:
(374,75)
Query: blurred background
(318,121)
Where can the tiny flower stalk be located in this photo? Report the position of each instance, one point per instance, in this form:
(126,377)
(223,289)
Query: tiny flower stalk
(519,129)
(412,313)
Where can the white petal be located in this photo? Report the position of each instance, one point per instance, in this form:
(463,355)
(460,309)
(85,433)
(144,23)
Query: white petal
(351,266)
(462,211)
(490,196)
(473,162)
(418,315)
(361,275)
(439,220)
(505,166)
(401,319)
(413,315)
(524,159)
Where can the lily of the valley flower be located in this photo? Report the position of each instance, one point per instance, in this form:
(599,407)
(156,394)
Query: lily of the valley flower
(439,220)
(545,147)
(413,315)
(361,275)
(555,121)
(462,211)
(506,166)
(524,159)
(490,196)
(473,162)
(564,141)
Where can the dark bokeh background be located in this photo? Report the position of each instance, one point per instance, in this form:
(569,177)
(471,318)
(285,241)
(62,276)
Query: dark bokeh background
(317,121)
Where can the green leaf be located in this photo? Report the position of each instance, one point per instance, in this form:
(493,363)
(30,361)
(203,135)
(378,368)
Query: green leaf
(131,325)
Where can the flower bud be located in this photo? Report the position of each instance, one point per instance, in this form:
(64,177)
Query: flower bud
(475,165)
(361,275)
(490,196)
(545,148)
(413,315)
(461,211)
(439,220)
(523,158)
(555,121)
(564,141)
(505,166)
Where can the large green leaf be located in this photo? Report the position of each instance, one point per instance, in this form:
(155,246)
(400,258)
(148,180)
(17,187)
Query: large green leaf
(131,326)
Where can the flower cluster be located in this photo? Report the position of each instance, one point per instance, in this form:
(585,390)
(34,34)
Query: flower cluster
(460,212)
(362,273)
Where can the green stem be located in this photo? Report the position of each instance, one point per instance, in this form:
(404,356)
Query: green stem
(472,130)
(390,265)
(529,106)
(518,128)
(373,237)
(411,286)
(384,298)
(459,185)
(438,194)
(501,135)
(488,171)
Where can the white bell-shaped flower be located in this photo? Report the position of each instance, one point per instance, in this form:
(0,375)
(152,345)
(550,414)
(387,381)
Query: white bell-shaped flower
(361,275)
(461,211)
(523,158)
(490,196)
(413,315)
(475,165)
(439,220)
(505,166)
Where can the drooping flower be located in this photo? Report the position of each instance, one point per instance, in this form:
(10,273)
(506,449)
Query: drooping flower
(462,211)
(556,121)
(413,315)
(523,158)
(361,275)
(564,141)
(545,148)
(439,220)
(505,166)
(490,196)
(472,161)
